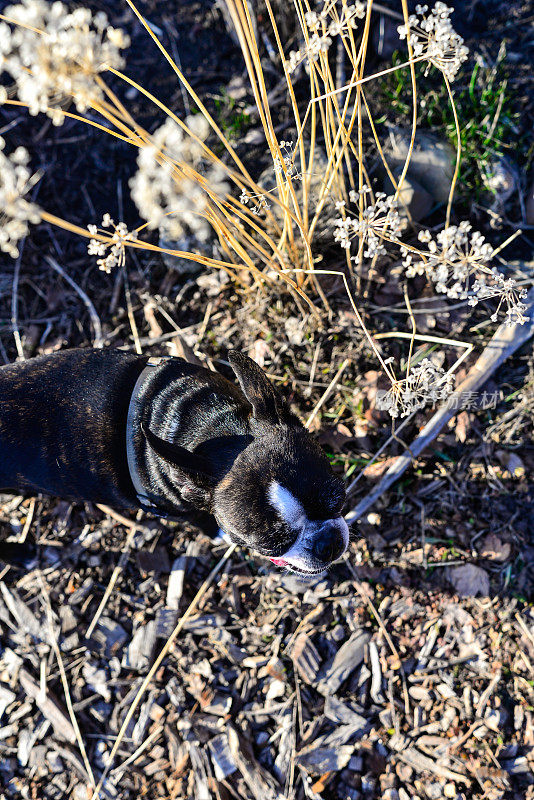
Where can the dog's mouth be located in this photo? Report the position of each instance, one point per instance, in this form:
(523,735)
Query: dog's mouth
(282,562)
(279,562)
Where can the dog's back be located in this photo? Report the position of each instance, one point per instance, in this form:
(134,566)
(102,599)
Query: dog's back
(38,439)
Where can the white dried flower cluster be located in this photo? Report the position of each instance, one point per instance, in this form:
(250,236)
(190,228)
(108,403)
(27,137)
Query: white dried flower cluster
(450,259)
(455,257)
(286,164)
(116,243)
(59,64)
(16,212)
(331,21)
(496,285)
(379,222)
(258,202)
(317,44)
(335,20)
(425,384)
(168,189)
(432,36)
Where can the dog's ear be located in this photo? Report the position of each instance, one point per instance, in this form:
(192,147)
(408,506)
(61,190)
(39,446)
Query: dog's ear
(198,480)
(268,405)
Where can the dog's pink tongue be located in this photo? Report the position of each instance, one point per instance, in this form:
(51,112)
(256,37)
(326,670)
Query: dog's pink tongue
(280,562)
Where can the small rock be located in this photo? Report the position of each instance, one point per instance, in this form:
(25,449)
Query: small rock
(494,719)
(276,689)
(511,463)
(412,197)
(434,791)
(431,162)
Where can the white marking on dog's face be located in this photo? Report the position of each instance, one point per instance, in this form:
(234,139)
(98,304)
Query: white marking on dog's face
(289,508)
(300,557)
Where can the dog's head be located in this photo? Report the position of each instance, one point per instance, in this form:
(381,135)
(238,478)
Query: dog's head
(280,496)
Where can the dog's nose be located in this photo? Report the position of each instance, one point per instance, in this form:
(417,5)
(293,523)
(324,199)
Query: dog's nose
(329,545)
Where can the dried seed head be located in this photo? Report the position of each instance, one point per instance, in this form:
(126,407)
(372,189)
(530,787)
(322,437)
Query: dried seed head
(432,36)
(16,212)
(168,189)
(424,385)
(116,243)
(55,61)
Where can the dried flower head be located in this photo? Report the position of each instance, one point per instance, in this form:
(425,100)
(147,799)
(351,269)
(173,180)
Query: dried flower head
(286,164)
(258,202)
(425,384)
(457,261)
(432,36)
(496,285)
(58,61)
(317,44)
(450,259)
(334,19)
(116,243)
(168,189)
(16,212)
(378,222)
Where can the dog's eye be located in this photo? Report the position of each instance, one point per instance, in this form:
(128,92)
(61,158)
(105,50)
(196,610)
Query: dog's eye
(327,506)
(338,508)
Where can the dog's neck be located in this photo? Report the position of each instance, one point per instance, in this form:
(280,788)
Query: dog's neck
(191,407)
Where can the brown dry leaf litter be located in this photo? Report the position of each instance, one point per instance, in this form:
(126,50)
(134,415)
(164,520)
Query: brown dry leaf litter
(275,688)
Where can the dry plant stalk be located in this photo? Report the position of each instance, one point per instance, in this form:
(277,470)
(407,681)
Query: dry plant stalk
(183,185)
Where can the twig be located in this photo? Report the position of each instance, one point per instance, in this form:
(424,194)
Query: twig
(327,392)
(97,327)
(506,340)
(393,436)
(152,671)
(133,529)
(65,683)
(129,308)
(28,522)
(142,747)
(112,581)
(15,303)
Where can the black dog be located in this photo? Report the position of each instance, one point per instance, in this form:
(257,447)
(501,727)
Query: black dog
(112,427)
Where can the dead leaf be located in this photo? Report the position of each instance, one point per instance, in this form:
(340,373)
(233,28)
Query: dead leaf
(494,549)
(462,426)
(469,580)
(376,470)
(511,463)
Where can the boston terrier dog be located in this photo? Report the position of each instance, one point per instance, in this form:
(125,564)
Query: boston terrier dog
(112,427)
